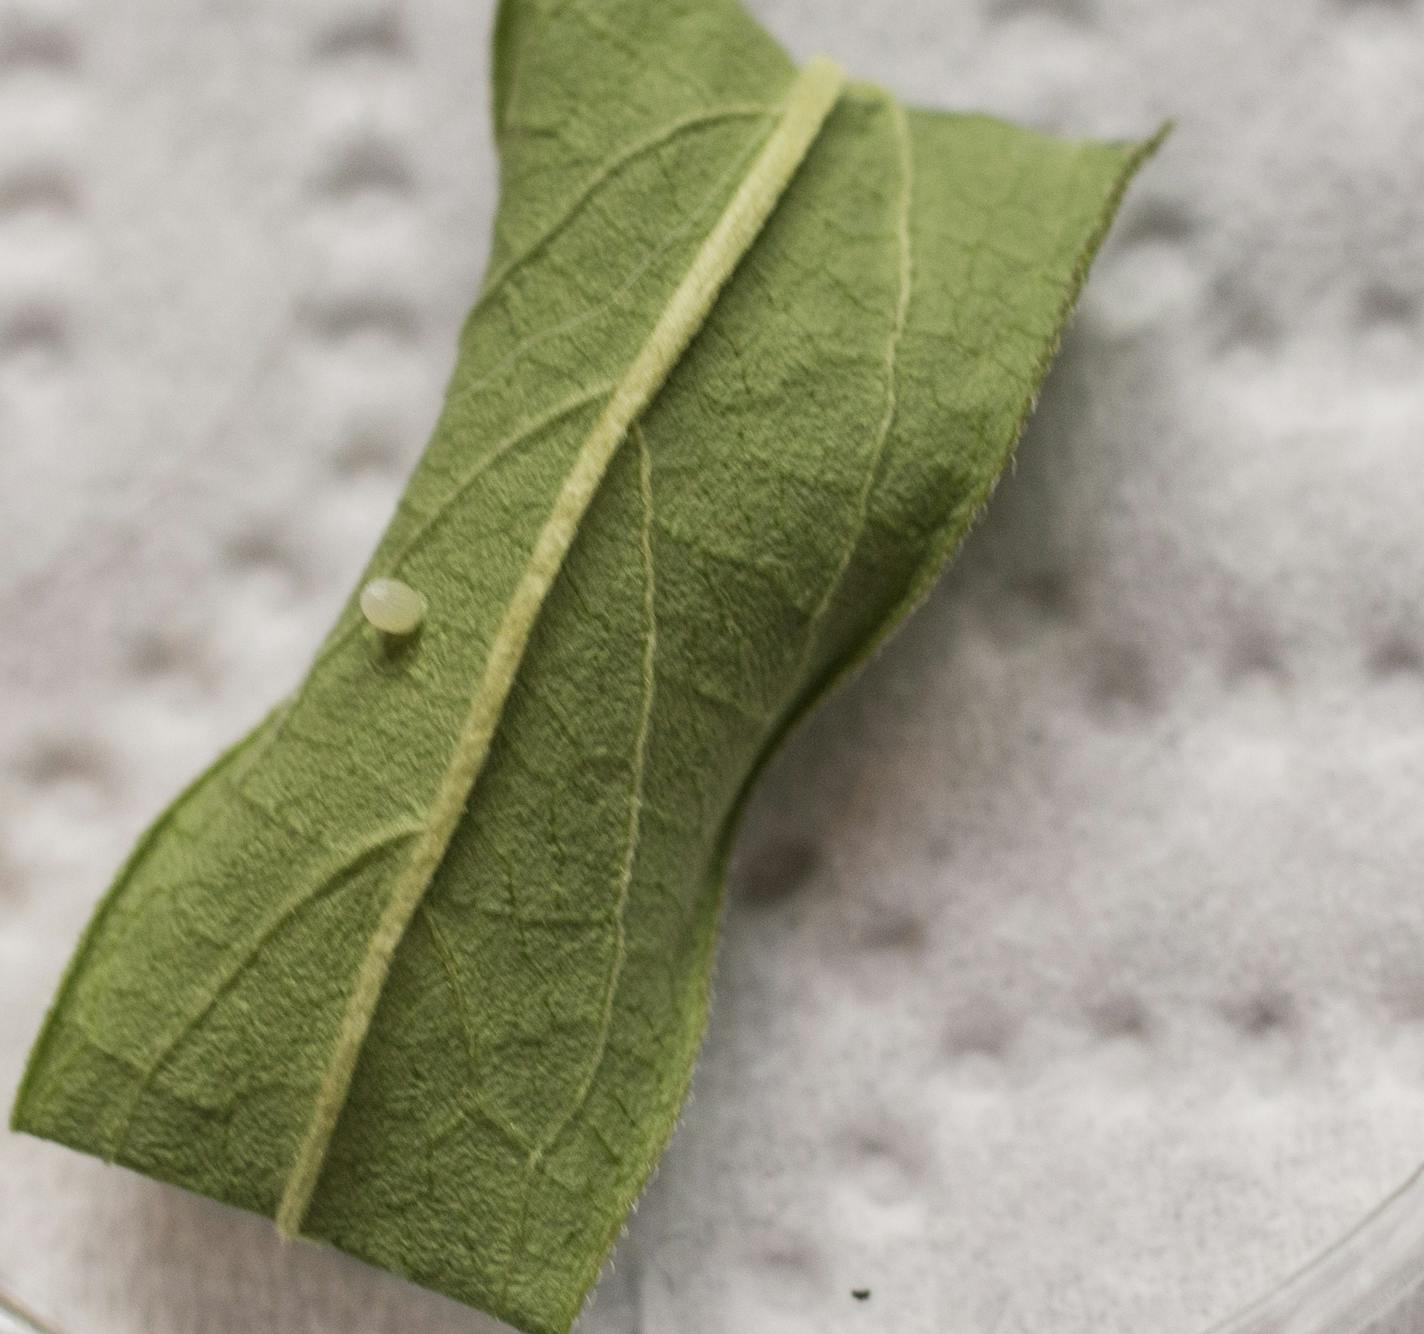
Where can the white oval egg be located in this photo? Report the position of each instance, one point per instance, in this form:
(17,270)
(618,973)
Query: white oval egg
(392,606)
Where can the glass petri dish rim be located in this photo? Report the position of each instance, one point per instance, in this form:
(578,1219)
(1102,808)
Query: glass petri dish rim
(1367,1273)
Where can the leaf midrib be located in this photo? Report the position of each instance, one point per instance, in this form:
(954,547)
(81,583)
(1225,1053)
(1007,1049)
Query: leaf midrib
(809,101)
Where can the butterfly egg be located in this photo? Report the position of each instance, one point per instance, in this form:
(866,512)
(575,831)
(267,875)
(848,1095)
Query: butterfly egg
(392,606)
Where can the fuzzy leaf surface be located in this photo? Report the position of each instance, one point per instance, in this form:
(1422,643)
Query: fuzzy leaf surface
(473,1092)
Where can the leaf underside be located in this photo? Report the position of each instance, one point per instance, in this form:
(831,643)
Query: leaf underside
(473,1092)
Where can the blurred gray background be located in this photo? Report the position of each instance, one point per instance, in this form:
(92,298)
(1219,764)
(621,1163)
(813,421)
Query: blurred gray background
(1073,973)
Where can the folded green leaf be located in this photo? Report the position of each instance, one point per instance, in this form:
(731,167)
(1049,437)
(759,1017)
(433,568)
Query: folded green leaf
(420,967)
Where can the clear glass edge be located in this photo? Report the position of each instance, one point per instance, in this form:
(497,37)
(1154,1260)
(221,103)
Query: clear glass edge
(1366,1274)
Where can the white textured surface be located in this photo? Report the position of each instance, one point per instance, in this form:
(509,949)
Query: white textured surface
(1073,976)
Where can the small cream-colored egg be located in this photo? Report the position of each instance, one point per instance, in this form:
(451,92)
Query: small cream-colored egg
(392,606)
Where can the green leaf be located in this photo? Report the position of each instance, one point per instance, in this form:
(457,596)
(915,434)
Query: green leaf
(420,967)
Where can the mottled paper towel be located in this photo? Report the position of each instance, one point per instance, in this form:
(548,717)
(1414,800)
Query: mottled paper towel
(1071,977)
